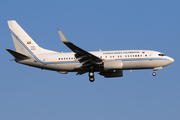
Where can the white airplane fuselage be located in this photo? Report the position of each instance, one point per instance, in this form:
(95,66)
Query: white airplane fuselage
(131,59)
(107,63)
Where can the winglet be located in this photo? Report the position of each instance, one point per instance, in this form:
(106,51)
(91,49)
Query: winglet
(84,56)
(63,38)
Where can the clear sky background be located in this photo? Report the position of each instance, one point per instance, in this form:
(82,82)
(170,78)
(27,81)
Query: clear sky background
(28,93)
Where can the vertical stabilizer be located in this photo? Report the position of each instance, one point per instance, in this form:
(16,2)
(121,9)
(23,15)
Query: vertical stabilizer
(24,44)
(22,41)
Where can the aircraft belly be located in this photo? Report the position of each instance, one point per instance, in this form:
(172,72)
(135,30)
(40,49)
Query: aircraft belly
(146,64)
(64,67)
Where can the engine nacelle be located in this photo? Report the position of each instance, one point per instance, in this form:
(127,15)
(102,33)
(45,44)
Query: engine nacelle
(108,74)
(113,64)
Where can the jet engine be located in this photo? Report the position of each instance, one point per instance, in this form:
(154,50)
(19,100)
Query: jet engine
(113,64)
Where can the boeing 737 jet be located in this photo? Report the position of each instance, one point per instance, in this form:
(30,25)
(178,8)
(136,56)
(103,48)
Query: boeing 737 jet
(106,63)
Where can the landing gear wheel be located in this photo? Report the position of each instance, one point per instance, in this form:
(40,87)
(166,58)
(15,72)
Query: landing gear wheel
(91,76)
(91,79)
(154,74)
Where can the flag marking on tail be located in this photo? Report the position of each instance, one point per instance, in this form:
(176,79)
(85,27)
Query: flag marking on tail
(28,42)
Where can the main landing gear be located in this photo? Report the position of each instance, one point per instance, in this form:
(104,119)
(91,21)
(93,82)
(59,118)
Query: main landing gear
(91,76)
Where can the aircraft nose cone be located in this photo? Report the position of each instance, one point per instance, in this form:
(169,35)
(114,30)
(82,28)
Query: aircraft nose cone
(172,60)
(169,60)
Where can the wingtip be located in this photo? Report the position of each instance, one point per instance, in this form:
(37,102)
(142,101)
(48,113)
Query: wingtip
(63,38)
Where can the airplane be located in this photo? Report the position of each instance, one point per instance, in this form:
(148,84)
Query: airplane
(107,63)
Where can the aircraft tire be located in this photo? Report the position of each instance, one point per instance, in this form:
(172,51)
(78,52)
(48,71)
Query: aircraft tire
(154,74)
(91,74)
(91,79)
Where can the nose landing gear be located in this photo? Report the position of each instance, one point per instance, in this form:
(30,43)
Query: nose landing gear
(154,73)
(156,68)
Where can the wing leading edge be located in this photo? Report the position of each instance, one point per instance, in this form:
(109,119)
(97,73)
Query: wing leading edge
(87,59)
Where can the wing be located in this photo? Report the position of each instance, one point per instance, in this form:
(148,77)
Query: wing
(87,59)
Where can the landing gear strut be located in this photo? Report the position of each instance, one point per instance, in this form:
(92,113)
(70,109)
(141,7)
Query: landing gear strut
(156,68)
(91,76)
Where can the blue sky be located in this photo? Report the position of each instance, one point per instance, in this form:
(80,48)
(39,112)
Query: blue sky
(28,93)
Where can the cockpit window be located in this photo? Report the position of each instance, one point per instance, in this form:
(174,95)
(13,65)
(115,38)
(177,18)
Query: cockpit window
(161,54)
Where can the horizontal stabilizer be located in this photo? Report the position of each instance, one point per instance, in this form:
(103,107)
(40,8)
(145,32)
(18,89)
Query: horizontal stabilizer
(17,55)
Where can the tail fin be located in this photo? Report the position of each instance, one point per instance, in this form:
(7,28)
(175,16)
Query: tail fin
(24,44)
